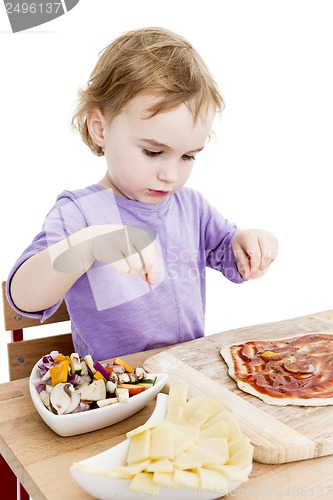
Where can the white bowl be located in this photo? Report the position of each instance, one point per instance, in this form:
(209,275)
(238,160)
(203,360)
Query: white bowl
(91,420)
(91,473)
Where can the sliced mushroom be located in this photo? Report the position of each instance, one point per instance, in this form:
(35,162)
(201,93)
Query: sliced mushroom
(140,373)
(299,366)
(133,378)
(45,397)
(75,398)
(123,378)
(113,378)
(59,398)
(111,387)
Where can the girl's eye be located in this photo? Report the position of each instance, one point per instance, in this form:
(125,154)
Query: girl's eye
(188,157)
(152,154)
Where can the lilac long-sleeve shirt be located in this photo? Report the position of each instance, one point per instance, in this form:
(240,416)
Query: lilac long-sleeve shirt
(113,315)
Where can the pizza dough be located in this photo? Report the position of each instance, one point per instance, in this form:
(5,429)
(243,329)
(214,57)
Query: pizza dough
(292,371)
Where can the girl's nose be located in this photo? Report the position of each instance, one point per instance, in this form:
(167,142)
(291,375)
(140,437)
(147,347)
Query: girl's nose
(168,172)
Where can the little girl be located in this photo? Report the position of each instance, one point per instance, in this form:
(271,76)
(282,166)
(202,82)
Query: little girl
(128,254)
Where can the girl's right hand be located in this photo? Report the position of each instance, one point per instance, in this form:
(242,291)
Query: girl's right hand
(129,249)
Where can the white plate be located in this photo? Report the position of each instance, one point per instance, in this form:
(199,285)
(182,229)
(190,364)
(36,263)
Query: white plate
(91,420)
(91,473)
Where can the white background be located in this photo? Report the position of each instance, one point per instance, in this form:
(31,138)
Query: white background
(270,165)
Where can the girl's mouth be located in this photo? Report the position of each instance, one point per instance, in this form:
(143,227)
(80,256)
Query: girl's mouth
(155,192)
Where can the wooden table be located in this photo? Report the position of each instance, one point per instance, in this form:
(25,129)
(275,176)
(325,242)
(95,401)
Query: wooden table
(41,459)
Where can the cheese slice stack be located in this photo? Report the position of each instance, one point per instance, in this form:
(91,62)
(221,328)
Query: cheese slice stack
(199,445)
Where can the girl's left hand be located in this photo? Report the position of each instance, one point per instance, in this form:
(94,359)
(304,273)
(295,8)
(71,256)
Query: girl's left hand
(254,251)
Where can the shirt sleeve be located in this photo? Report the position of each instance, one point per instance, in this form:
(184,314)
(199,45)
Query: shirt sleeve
(218,236)
(64,218)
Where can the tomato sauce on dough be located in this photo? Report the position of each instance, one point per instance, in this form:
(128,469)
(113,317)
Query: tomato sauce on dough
(300,367)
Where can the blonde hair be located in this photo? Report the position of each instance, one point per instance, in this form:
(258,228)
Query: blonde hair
(155,61)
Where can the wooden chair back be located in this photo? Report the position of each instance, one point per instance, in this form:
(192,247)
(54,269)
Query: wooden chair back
(23,354)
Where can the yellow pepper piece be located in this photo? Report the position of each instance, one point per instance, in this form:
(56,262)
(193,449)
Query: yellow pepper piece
(270,355)
(59,373)
(118,361)
(99,376)
(60,357)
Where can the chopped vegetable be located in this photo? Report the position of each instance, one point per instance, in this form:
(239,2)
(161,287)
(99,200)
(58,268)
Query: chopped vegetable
(76,367)
(132,388)
(111,387)
(70,384)
(90,363)
(59,372)
(94,391)
(119,361)
(149,382)
(106,402)
(122,394)
(100,369)
(60,399)
(118,369)
(99,376)
(270,355)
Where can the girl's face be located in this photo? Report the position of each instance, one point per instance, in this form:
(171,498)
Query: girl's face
(148,159)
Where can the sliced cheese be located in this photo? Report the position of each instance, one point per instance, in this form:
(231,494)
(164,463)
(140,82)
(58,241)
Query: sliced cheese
(217,429)
(222,415)
(141,428)
(139,448)
(218,446)
(198,417)
(184,438)
(175,415)
(177,395)
(130,470)
(234,430)
(165,479)
(185,461)
(212,406)
(213,480)
(161,445)
(234,446)
(188,430)
(192,404)
(231,472)
(203,403)
(205,456)
(243,457)
(163,465)
(187,479)
(143,483)
(198,445)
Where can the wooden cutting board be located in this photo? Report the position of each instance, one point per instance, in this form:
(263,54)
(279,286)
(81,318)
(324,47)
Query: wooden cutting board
(278,434)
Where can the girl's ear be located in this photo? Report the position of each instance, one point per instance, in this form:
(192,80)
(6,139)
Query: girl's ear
(96,125)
